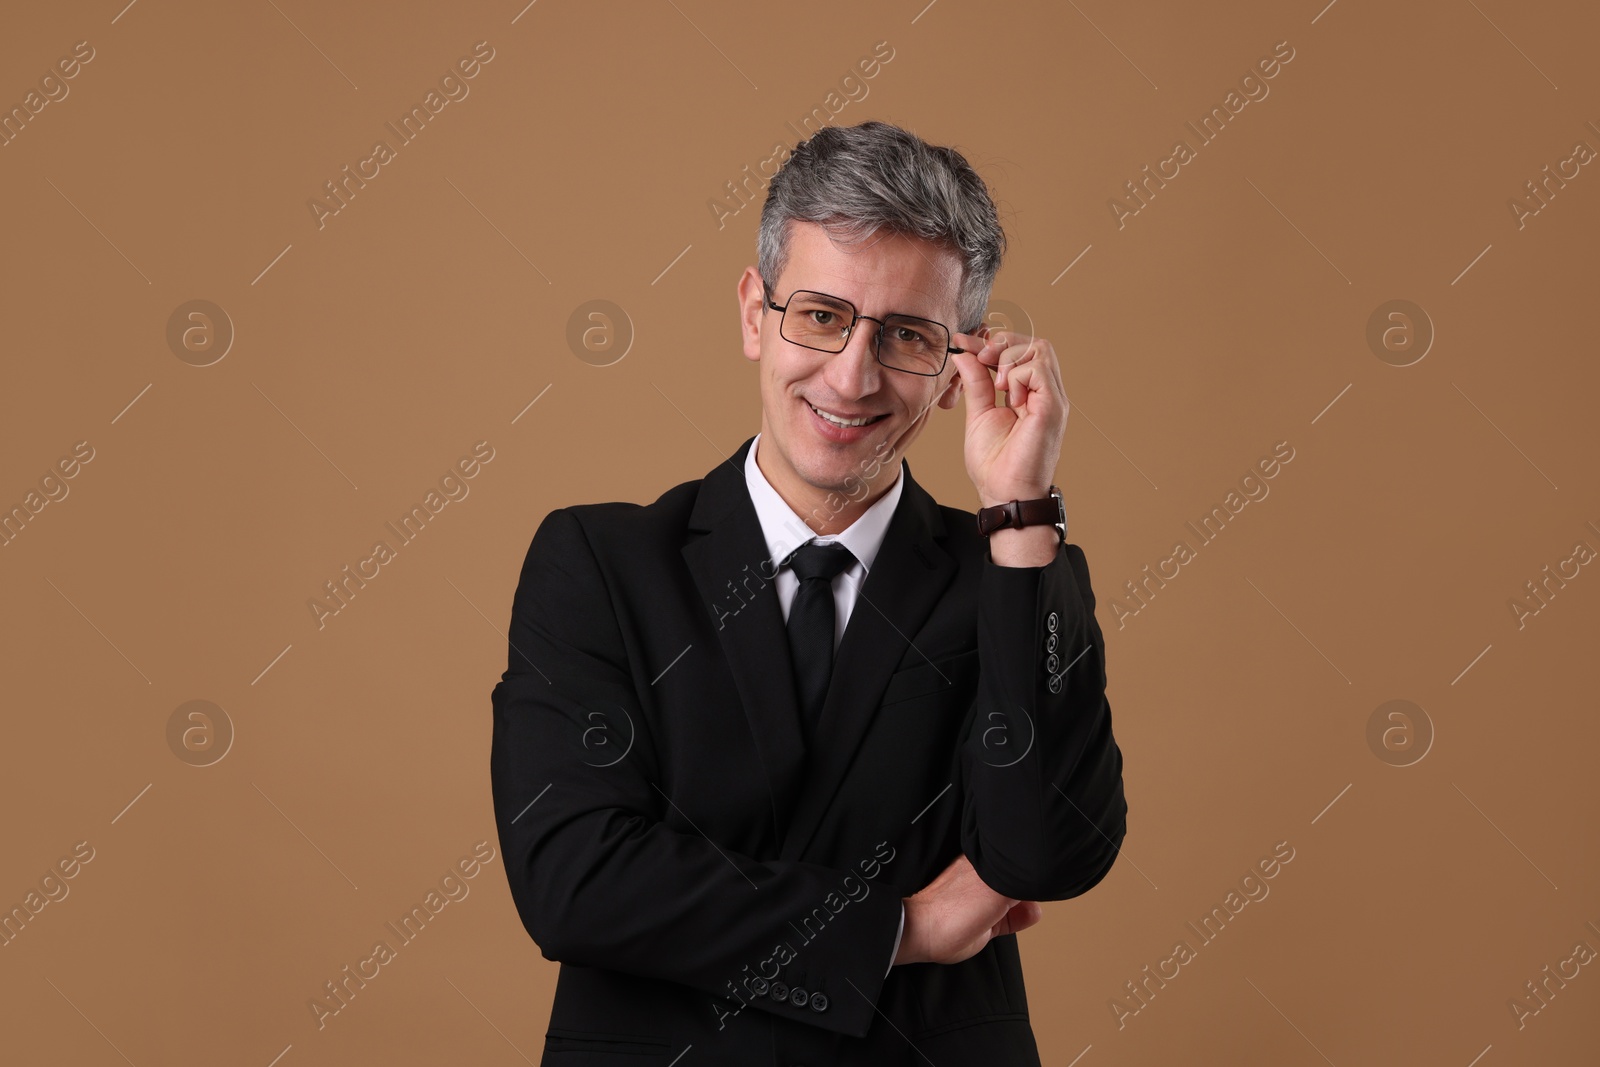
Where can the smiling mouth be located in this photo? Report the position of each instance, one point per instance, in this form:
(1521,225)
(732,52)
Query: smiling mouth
(837,421)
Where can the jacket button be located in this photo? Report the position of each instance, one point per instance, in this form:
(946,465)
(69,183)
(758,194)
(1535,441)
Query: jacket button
(779,991)
(1051,642)
(819,1002)
(759,986)
(1052,622)
(1052,663)
(1055,683)
(798,997)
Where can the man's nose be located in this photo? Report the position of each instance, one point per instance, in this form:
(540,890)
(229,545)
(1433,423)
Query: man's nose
(854,372)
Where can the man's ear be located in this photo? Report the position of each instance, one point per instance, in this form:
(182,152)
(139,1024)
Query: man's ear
(752,299)
(952,389)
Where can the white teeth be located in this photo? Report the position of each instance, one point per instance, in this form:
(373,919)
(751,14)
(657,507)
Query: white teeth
(841,422)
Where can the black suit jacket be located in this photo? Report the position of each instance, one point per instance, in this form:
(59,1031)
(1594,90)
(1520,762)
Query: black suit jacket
(701,879)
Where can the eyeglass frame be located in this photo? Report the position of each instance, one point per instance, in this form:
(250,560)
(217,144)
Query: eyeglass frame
(877,335)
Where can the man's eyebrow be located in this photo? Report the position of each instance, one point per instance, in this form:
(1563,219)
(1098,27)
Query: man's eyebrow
(934,318)
(911,314)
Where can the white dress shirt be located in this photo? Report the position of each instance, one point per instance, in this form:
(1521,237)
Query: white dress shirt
(785,531)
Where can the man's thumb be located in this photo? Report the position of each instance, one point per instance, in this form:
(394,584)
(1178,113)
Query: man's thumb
(976,382)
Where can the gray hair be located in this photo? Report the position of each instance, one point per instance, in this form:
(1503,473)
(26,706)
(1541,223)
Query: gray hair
(856,180)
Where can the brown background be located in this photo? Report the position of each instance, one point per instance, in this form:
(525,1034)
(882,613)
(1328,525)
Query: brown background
(371,353)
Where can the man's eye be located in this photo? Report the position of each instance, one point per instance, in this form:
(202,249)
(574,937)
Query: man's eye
(906,335)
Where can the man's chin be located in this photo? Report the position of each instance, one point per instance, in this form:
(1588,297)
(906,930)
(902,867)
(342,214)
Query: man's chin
(845,457)
(841,468)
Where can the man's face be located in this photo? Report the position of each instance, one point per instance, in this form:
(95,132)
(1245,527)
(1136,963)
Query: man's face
(803,454)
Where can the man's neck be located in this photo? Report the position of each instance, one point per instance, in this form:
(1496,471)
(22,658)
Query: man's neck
(825,513)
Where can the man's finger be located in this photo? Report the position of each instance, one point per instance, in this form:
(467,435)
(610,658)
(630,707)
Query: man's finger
(1023,914)
(976,381)
(1024,381)
(970,342)
(990,350)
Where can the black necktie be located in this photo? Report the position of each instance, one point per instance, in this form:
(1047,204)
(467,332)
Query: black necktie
(811,625)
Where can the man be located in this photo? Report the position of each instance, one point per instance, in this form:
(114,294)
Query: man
(783,761)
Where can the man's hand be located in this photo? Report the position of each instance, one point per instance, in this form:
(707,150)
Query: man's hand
(1011,452)
(956,914)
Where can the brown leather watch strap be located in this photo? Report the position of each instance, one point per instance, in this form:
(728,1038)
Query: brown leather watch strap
(1018,513)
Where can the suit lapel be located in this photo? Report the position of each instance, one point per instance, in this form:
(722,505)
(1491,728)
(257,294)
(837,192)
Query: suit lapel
(908,576)
(726,558)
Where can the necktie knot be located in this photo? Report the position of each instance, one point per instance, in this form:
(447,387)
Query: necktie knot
(826,561)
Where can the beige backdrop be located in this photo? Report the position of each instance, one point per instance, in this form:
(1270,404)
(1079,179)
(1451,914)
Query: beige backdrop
(190,475)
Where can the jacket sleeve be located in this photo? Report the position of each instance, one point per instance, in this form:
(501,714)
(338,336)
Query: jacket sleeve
(605,872)
(1043,812)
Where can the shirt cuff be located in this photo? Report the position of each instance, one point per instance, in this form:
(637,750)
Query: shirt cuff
(896,950)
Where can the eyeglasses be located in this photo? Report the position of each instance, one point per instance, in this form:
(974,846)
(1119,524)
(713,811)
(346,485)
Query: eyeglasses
(824,323)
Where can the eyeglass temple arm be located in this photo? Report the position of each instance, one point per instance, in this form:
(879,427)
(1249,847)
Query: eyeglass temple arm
(979,326)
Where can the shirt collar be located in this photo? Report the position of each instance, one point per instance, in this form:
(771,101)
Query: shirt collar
(785,531)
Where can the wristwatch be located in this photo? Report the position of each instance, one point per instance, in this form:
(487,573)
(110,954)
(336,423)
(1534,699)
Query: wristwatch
(1018,513)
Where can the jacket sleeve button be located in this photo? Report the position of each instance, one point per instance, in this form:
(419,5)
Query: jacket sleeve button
(1055,683)
(798,997)
(779,991)
(1052,663)
(1052,622)
(819,1002)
